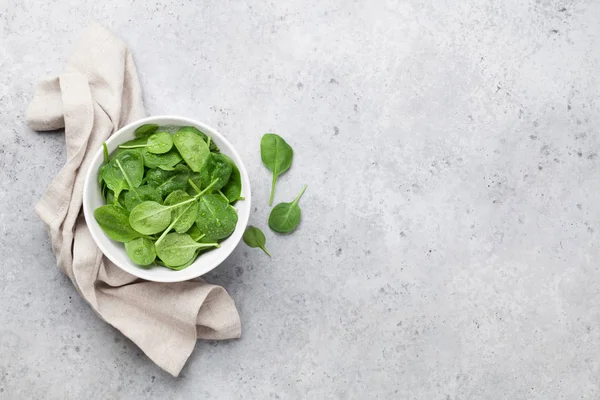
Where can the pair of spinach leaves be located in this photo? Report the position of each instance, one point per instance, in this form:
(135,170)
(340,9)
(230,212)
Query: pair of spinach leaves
(277,155)
(169,195)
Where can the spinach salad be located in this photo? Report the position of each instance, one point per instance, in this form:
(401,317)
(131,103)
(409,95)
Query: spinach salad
(169,194)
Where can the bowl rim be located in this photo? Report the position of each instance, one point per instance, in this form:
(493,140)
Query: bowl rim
(187,273)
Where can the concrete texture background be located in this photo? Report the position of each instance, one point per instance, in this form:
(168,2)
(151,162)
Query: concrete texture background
(451,235)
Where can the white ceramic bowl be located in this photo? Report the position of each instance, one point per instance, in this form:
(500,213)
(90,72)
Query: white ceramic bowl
(115,251)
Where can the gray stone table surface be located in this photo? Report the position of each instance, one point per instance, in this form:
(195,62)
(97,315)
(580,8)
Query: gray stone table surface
(450,241)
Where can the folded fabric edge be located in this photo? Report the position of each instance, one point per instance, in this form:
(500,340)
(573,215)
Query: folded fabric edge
(45,112)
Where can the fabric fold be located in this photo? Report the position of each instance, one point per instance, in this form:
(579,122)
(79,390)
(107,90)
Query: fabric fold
(98,93)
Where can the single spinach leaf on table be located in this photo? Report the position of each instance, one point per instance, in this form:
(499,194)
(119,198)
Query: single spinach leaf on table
(277,156)
(141,251)
(145,130)
(143,193)
(192,148)
(124,171)
(254,237)
(216,218)
(168,159)
(211,144)
(157,143)
(176,249)
(285,217)
(114,221)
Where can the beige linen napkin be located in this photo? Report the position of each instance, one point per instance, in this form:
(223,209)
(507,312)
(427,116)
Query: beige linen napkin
(99,93)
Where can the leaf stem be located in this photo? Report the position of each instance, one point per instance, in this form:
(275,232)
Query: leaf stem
(297,199)
(208,142)
(265,250)
(136,146)
(106,158)
(202,245)
(196,197)
(273,188)
(196,188)
(199,237)
(225,197)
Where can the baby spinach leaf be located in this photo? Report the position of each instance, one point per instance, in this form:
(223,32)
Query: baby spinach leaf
(141,251)
(233,189)
(216,218)
(169,159)
(177,181)
(277,155)
(157,143)
(157,176)
(285,217)
(160,143)
(177,249)
(143,193)
(192,148)
(212,145)
(219,168)
(150,217)
(183,216)
(145,130)
(114,222)
(124,171)
(254,237)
